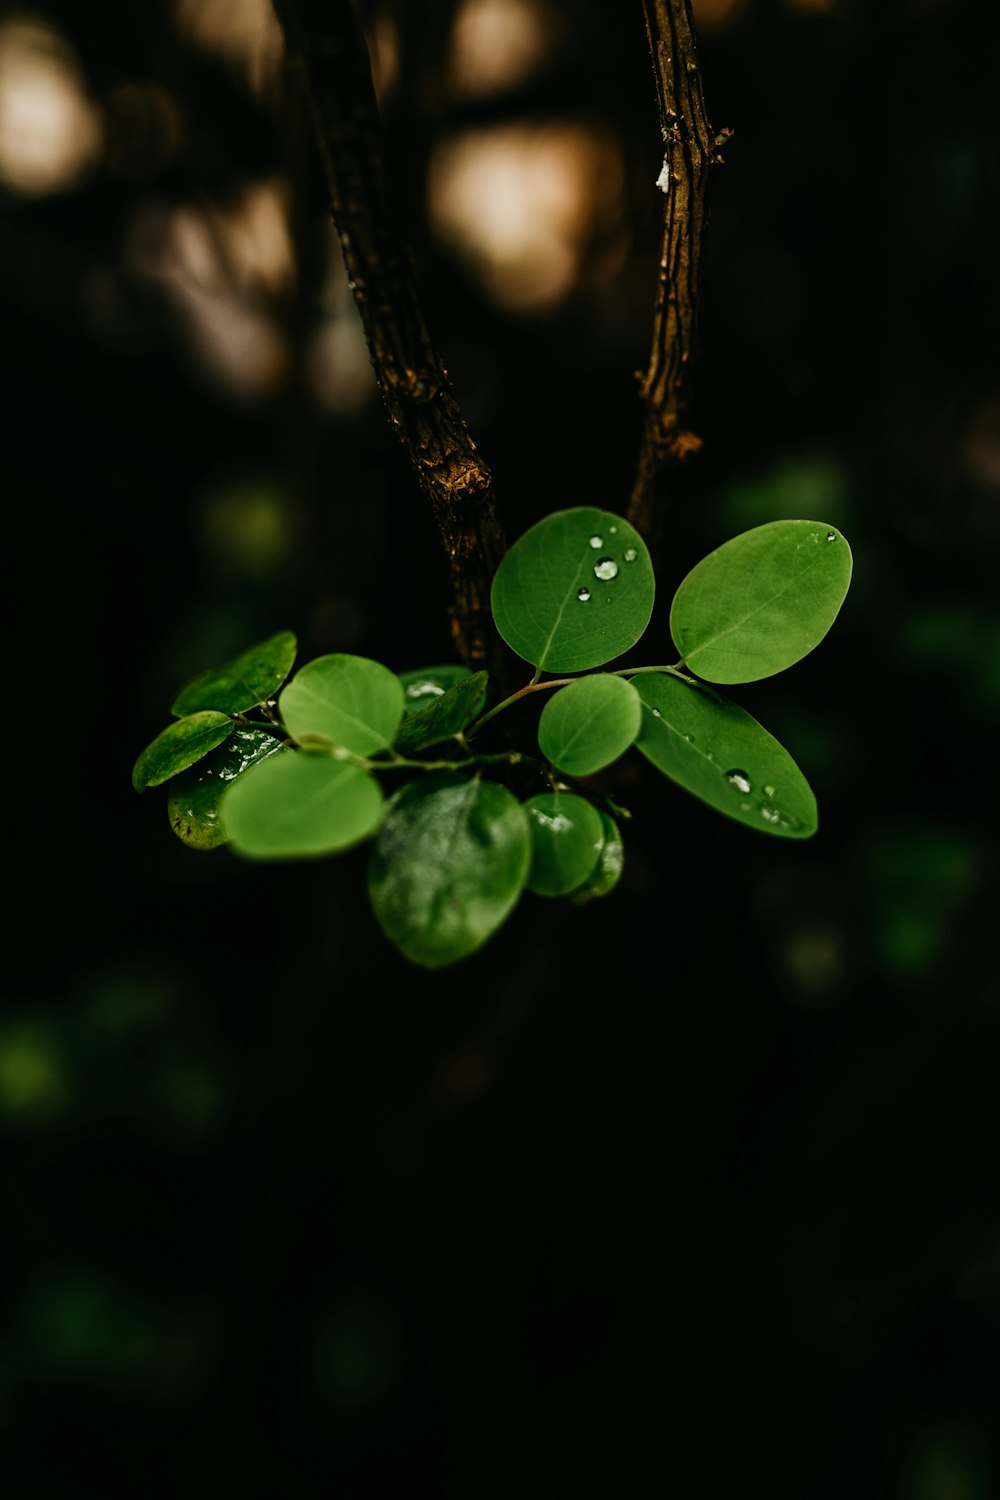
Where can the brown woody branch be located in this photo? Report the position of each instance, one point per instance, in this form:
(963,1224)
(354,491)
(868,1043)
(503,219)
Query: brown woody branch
(326,52)
(690,148)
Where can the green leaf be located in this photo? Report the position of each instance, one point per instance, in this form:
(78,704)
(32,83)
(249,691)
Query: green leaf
(589,724)
(448,865)
(610,863)
(349,700)
(722,755)
(443,717)
(566,840)
(250,678)
(574,591)
(193,801)
(300,804)
(762,601)
(178,747)
(422,685)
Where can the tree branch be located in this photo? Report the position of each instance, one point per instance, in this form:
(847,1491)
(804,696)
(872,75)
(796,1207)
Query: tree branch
(326,52)
(690,148)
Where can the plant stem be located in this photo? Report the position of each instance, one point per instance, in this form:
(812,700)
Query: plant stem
(270,726)
(690,148)
(673,671)
(534,686)
(326,53)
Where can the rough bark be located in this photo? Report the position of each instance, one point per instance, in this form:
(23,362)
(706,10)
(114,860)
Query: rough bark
(690,148)
(326,53)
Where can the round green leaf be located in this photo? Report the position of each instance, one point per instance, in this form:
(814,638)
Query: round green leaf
(300,804)
(566,839)
(722,755)
(574,591)
(193,800)
(444,717)
(589,724)
(609,867)
(762,601)
(350,700)
(250,678)
(422,685)
(178,747)
(448,865)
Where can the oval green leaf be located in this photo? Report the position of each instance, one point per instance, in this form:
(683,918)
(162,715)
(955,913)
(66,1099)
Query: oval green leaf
(252,677)
(349,700)
(762,601)
(448,866)
(444,717)
(575,591)
(589,724)
(610,864)
(422,685)
(722,755)
(193,800)
(179,746)
(300,805)
(566,840)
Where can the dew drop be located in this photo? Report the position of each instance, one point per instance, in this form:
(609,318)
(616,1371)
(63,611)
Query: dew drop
(779,819)
(596,541)
(583,595)
(739,779)
(417,690)
(605,568)
(745,806)
(831,536)
(768,791)
(657,714)
(709,755)
(613,530)
(689,738)
(630,554)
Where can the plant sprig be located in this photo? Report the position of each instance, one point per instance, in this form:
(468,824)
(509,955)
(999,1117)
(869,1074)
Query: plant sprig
(286,767)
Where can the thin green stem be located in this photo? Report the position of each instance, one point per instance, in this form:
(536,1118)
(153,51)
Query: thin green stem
(673,671)
(534,686)
(269,726)
(403,762)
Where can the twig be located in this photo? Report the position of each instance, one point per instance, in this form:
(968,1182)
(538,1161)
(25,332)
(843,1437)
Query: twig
(326,53)
(690,148)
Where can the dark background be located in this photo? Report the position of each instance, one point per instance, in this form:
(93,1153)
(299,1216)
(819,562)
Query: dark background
(694,1190)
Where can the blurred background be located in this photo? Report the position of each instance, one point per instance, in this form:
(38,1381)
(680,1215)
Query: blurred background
(694,1184)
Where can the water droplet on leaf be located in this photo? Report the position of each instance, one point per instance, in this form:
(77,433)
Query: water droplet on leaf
(657,714)
(779,819)
(596,541)
(739,779)
(583,595)
(630,554)
(605,568)
(416,690)
(768,791)
(831,536)
(555,821)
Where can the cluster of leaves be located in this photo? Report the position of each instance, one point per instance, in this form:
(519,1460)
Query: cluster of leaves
(310,770)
